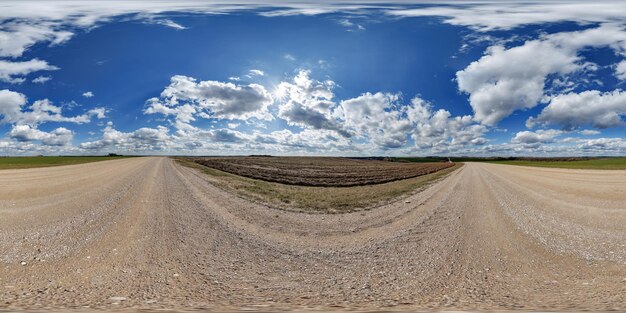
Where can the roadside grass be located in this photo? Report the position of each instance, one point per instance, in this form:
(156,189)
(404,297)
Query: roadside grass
(46,161)
(318,199)
(601,164)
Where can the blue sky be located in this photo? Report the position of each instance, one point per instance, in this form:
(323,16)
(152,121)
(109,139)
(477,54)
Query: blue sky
(323,78)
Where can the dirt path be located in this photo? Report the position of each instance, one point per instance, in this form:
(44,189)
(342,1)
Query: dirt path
(148,233)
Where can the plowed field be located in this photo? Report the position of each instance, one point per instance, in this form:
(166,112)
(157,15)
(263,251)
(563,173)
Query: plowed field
(326,172)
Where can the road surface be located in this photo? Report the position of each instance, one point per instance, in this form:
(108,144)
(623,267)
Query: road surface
(149,233)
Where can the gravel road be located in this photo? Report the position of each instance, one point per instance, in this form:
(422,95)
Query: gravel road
(149,233)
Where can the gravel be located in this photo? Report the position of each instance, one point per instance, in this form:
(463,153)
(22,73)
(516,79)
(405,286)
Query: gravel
(159,235)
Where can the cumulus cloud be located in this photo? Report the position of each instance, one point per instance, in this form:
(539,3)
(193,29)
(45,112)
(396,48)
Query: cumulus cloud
(14,110)
(143,139)
(537,137)
(99,113)
(88,94)
(440,131)
(13,72)
(224,135)
(603,145)
(306,141)
(505,80)
(308,103)
(186,98)
(592,107)
(379,119)
(58,137)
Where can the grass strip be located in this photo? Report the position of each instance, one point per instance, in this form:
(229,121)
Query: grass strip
(597,164)
(46,161)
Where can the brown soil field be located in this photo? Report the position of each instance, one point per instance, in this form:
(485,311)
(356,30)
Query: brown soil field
(316,199)
(320,171)
(150,234)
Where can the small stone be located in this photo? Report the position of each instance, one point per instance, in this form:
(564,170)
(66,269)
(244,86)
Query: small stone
(175,275)
(117,299)
(23,263)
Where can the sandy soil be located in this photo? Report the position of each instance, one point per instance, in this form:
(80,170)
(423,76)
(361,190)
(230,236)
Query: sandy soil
(148,233)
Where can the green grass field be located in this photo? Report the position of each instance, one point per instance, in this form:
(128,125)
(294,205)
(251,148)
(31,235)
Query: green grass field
(45,161)
(600,164)
(613,163)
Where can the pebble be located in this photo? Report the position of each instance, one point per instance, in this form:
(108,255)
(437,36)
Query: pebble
(23,263)
(117,299)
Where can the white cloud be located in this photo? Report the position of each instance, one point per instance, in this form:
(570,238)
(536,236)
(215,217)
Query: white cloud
(306,141)
(255,72)
(378,119)
(373,120)
(346,23)
(88,94)
(151,19)
(289,57)
(17,34)
(507,80)
(186,99)
(537,137)
(41,79)
(504,15)
(58,137)
(99,113)
(351,26)
(13,72)
(25,23)
(592,107)
(308,103)
(620,70)
(603,145)
(439,131)
(224,135)
(141,140)
(14,110)
(589,132)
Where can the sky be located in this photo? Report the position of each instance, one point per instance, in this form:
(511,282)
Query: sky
(337,78)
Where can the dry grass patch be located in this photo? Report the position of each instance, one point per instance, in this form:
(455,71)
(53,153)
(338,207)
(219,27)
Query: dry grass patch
(318,199)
